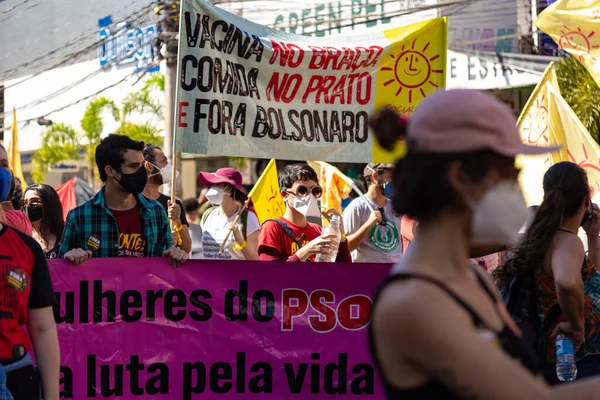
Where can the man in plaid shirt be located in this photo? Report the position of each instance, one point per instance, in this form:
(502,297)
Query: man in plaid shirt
(119,221)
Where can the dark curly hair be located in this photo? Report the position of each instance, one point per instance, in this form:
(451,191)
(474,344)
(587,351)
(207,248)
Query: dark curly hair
(565,189)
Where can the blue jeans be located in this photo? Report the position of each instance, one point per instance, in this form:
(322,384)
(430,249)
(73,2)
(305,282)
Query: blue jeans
(6,369)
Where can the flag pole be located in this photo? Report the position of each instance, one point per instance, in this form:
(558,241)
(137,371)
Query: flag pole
(362,195)
(235,221)
(176,157)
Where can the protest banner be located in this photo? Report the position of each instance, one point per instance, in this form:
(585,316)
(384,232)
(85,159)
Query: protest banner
(139,329)
(250,91)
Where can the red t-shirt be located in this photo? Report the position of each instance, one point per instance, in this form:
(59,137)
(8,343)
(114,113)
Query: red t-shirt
(276,245)
(132,242)
(24,283)
(18,220)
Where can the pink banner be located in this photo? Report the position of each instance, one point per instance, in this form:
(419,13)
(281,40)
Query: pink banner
(138,329)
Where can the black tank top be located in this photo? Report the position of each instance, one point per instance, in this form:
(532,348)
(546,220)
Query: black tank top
(510,343)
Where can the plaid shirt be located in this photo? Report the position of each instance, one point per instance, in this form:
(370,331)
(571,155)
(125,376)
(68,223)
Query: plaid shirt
(93,222)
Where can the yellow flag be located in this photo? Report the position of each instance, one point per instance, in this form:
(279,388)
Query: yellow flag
(547,119)
(413,68)
(580,147)
(14,155)
(266,196)
(572,24)
(336,186)
(535,129)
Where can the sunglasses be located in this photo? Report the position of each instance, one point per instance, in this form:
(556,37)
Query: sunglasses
(32,202)
(302,191)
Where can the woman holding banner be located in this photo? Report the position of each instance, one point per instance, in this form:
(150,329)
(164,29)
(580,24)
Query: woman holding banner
(439,329)
(26,299)
(228,197)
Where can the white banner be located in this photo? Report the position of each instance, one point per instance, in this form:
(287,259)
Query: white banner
(250,91)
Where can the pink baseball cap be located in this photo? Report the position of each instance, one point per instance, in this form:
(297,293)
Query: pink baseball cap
(462,121)
(223,175)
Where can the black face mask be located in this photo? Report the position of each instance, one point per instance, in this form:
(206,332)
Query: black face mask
(136,182)
(34,212)
(17,198)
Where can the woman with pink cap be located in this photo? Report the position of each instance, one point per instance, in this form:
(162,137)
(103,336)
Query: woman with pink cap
(439,329)
(227,195)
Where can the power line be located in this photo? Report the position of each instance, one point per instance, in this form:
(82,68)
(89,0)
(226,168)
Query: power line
(6,11)
(122,80)
(134,16)
(80,81)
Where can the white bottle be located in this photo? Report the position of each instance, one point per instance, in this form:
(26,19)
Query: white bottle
(333,227)
(566,369)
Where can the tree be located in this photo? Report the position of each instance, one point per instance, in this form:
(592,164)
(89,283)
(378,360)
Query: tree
(62,142)
(581,92)
(93,126)
(59,142)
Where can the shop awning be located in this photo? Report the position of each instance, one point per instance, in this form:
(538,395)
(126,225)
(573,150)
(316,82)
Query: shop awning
(488,70)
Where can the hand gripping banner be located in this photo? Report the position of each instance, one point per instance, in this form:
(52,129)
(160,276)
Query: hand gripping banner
(138,329)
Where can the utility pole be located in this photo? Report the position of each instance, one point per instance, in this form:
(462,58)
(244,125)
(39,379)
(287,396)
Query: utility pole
(168,43)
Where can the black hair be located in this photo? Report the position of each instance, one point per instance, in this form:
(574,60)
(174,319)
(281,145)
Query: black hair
(236,194)
(565,189)
(16,197)
(191,204)
(110,151)
(294,173)
(420,182)
(150,152)
(360,183)
(52,212)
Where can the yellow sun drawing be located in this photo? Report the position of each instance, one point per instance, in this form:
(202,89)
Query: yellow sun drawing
(413,70)
(577,40)
(536,123)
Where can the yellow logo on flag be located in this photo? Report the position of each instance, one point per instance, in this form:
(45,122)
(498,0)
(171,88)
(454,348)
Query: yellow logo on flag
(266,196)
(413,70)
(535,129)
(572,25)
(413,67)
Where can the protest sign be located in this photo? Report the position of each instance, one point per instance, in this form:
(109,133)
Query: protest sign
(250,91)
(139,329)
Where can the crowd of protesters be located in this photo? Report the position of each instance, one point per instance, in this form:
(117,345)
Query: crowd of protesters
(450,217)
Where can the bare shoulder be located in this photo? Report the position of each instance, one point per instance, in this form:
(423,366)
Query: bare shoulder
(566,241)
(414,305)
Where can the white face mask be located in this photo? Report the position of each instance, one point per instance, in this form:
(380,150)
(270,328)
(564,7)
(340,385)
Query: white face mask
(306,206)
(215,195)
(166,172)
(500,214)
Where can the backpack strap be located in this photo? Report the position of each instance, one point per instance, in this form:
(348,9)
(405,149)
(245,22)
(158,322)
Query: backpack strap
(206,214)
(244,220)
(286,228)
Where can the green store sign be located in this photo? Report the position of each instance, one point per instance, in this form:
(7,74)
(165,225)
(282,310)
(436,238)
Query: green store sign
(329,18)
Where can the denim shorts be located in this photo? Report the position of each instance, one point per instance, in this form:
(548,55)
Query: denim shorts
(19,381)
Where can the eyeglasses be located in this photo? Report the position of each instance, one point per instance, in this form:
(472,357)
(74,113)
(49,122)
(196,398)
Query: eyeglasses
(302,191)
